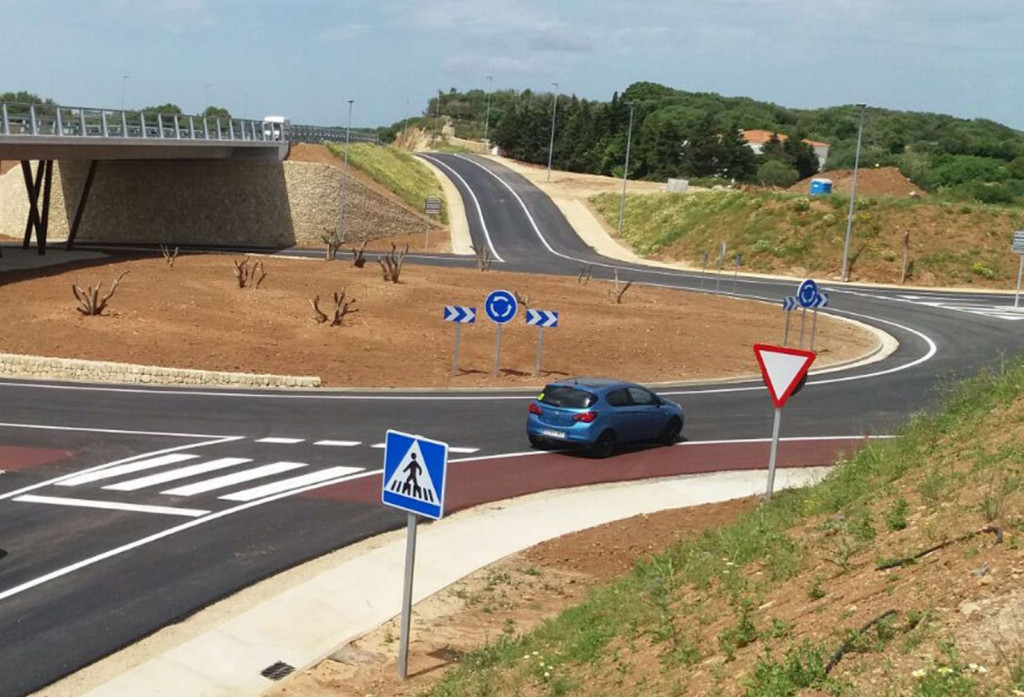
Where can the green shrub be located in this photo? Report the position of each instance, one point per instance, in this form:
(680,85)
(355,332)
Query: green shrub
(979,269)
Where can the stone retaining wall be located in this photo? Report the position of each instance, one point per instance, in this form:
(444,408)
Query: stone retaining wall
(76,370)
(207,202)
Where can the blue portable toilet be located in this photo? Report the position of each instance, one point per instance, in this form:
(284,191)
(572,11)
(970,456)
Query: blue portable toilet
(821,186)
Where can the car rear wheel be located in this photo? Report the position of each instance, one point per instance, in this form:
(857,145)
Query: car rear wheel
(538,442)
(604,446)
(671,433)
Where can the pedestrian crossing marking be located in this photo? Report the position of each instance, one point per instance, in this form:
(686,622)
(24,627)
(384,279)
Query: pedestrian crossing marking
(232,479)
(129,468)
(412,479)
(176,474)
(290,484)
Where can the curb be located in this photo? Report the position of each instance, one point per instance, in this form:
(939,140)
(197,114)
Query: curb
(80,370)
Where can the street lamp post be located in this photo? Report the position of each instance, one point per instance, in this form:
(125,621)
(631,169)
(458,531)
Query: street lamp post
(437,115)
(487,118)
(625,172)
(344,180)
(124,83)
(853,196)
(551,146)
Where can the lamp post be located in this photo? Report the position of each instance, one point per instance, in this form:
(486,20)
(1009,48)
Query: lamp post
(437,115)
(551,146)
(344,180)
(487,118)
(625,172)
(124,83)
(853,196)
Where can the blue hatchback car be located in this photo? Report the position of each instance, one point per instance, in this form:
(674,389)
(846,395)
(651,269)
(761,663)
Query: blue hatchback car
(600,414)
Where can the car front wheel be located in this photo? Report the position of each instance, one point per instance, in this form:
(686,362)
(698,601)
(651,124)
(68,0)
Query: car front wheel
(671,433)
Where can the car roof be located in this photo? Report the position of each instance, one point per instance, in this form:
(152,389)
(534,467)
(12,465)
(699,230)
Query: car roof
(596,384)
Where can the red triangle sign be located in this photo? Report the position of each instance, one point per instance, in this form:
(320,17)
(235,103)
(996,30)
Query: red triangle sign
(782,369)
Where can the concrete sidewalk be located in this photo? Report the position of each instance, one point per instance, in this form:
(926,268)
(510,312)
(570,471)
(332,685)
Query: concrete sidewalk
(306,614)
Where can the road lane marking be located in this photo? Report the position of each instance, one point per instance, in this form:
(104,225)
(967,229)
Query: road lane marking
(232,479)
(179,473)
(130,468)
(479,211)
(281,441)
(117,431)
(110,505)
(260,492)
(339,443)
(467,451)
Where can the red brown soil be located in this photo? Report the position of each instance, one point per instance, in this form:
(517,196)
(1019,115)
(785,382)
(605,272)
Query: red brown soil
(871,181)
(194,316)
(7,165)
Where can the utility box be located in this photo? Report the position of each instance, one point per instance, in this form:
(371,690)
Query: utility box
(677,186)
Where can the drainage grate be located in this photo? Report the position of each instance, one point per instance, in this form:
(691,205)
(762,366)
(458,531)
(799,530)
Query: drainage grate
(277,671)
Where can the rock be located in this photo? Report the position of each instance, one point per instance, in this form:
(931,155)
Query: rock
(968,608)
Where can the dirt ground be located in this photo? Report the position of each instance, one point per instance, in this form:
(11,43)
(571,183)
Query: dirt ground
(512,596)
(575,185)
(194,316)
(871,181)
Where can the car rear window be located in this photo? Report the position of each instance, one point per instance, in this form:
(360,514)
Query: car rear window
(568,397)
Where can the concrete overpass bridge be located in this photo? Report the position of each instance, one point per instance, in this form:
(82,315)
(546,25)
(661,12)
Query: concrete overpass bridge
(45,133)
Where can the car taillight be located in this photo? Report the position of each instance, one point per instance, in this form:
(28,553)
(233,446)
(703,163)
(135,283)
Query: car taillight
(534,409)
(586,417)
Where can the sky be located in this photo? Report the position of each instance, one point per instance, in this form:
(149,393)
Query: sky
(305,58)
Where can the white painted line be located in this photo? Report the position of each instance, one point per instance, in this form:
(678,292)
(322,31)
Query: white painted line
(282,441)
(339,443)
(290,484)
(476,203)
(130,468)
(176,474)
(379,445)
(232,479)
(133,458)
(43,427)
(110,505)
(467,451)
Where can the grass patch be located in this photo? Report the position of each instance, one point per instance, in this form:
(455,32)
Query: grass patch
(858,513)
(397,170)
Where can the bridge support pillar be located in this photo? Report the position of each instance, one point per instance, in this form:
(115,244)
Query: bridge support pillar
(37,220)
(80,211)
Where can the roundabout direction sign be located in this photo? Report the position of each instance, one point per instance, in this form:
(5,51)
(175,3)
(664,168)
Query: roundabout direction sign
(807,295)
(501,307)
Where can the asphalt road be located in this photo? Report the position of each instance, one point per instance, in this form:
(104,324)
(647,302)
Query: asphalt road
(126,509)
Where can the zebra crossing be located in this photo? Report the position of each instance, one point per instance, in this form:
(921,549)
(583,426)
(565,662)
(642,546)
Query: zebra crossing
(196,482)
(980,306)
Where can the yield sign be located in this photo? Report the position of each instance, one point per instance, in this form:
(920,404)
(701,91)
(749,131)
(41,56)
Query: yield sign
(783,369)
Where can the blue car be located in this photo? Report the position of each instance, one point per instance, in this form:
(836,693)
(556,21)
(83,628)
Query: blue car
(600,414)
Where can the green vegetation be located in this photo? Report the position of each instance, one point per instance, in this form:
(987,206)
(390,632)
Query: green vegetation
(397,170)
(701,602)
(776,232)
(693,134)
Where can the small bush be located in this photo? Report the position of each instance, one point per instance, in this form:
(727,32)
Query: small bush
(979,269)
(896,516)
(800,668)
(802,204)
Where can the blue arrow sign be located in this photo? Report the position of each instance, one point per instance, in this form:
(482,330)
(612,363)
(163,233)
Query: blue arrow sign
(820,301)
(415,470)
(541,318)
(789,303)
(501,306)
(460,314)
(807,293)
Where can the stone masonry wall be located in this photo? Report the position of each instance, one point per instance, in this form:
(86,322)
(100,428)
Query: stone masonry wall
(207,202)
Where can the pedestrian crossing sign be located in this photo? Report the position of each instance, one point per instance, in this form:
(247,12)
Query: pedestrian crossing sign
(415,470)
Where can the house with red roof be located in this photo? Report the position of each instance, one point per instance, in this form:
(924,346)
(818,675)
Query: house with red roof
(756,138)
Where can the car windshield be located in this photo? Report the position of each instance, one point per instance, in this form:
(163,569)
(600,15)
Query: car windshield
(567,396)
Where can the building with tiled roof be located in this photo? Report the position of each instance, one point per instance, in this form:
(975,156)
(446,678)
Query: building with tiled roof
(757,137)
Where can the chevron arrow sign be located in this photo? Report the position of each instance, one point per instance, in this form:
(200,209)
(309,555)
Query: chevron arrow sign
(460,314)
(541,318)
(820,301)
(789,303)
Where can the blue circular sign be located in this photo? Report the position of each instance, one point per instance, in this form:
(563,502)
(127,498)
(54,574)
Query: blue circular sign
(808,293)
(501,306)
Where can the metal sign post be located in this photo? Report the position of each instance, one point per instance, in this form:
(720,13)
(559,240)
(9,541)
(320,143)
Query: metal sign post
(783,370)
(1020,270)
(541,319)
(803,323)
(736,271)
(721,260)
(459,315)
(1018,248)
(431,207)
(822,301)
(788,305)
(501,307)
(414,481)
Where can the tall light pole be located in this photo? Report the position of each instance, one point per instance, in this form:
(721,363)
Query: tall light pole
(487,118)
(344,180)
(124,83)
(853,196)
(625,172)
(437,115)
(554,110)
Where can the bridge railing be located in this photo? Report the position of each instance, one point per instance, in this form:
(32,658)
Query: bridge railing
(318,134)
(52,120)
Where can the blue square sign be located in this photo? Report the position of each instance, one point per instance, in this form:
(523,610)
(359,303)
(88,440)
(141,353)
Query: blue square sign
(415,470)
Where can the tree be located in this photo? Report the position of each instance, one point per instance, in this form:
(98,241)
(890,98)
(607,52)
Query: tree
(168,108)
(23,97)
(777,173)
(801,157)
(216,112)
(739,160)
(702,151)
